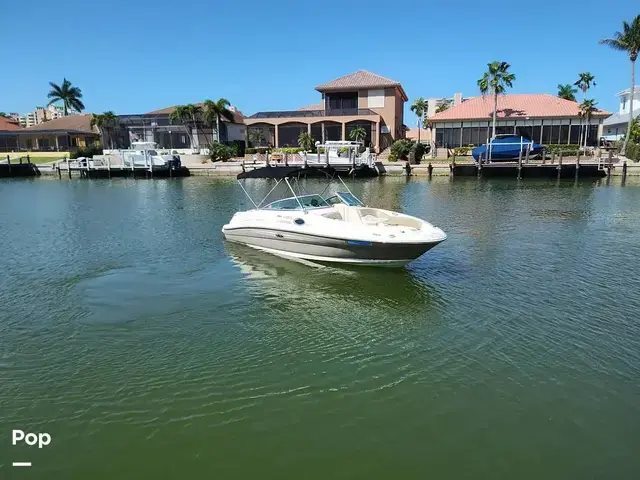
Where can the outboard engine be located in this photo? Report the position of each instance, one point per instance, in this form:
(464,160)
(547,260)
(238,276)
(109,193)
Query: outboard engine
(176,163)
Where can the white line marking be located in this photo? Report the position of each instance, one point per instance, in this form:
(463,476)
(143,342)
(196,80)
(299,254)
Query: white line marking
(21,464)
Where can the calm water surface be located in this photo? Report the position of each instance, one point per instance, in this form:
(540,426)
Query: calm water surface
(149,349)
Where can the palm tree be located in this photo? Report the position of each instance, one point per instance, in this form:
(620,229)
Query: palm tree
(256,136)
(420,107)
(627,41)
(305,141)
(587,107)
(105,123)
(444,106)
(567,92)
(214,111)
(358,134)
(67,94)
(584,82)
(495,81)
(189,116)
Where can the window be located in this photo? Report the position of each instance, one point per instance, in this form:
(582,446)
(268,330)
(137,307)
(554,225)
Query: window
(376,99)
(623,102)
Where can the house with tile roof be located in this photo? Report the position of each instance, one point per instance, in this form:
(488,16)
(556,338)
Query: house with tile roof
(360,99)
(543,118)
(156,127)
(60,135)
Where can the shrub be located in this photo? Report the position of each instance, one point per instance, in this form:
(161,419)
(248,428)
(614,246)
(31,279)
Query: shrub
(416,153)
(400,149)
(237,147)
(88,152)
(461,151)
(633,152)
(220,152)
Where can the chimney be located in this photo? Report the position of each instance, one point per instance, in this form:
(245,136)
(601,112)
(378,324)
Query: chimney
(457,99)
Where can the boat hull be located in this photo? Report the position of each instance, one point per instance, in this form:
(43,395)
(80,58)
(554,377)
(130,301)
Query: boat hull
(326,249)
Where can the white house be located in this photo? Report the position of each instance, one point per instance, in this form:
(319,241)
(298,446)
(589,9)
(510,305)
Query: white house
(616,125)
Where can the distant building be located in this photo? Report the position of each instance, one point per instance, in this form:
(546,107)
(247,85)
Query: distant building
(156,127)
(41,115)
(615,127)
(361,99)
(434,104)
(62,134)
(543,118)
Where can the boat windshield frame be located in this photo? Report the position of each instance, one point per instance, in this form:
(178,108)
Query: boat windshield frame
(348,199)
(300,202)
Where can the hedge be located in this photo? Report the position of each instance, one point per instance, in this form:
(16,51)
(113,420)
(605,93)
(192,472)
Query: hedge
(87,152)
(461,151)
(289,150)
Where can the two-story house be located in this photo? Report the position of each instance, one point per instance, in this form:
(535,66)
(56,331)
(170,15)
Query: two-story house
(361,99)
(615,127)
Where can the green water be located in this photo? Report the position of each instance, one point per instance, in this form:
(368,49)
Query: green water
(148,349)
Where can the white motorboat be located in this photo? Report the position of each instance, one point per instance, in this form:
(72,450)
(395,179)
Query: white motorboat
(145,154)
(334,228)
(340,153)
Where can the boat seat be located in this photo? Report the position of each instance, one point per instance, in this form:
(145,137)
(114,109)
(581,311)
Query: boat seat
(349,214)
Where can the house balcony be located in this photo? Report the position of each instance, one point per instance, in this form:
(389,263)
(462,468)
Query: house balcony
(341,112)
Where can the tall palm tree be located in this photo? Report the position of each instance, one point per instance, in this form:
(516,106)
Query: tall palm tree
(495,81)
(67,94)
(214,111)
(567,92)
(106,122)
(584,83)
(420,107)
(587,107)
(627,41)
(189,115)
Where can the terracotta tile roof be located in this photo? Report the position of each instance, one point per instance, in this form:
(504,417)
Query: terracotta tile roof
(514,105)
(80,122)
(8,124)
(360,79)
(238,116)
(315,106)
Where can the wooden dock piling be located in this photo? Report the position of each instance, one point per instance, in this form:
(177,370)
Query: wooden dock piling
(559,167)
(519,177)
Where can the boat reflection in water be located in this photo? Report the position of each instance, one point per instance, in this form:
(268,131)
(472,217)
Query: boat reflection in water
(312,284)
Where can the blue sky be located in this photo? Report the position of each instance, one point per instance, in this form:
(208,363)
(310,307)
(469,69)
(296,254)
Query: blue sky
(134,56)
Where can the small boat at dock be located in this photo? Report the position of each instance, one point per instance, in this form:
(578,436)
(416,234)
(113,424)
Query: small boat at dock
(506,148)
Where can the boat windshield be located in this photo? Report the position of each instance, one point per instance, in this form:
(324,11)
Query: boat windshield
(348,199)
(307,201)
